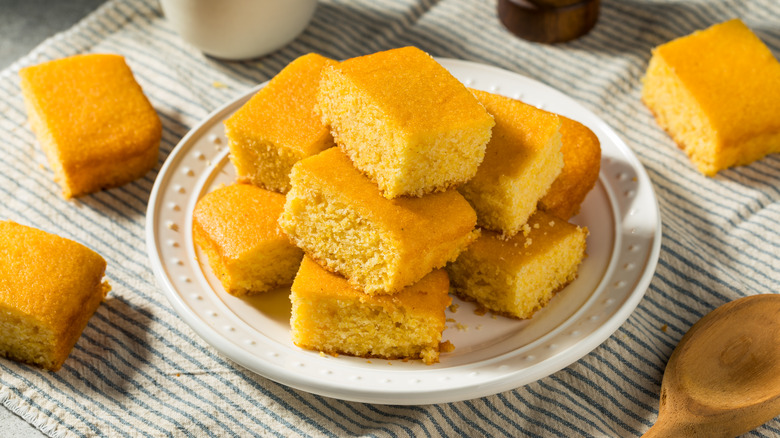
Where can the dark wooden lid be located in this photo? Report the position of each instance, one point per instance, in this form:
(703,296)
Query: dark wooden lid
(548,21)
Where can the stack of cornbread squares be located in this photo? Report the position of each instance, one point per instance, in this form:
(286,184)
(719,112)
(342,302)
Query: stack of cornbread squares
(433,188)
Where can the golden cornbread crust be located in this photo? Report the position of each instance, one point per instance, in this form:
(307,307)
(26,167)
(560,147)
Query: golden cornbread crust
(339,218)
(45,301)
(236,226)
(404,121)
(331,316)
(522,160)
(93,121)
(516,277)
(279,126)
(581,164)
(720,117)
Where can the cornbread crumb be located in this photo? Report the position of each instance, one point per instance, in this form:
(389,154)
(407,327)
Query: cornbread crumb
(236,227)
(93,121)
(330,315)
(45,300)
(446,347)
(720,117)
(498,277)
(405,121)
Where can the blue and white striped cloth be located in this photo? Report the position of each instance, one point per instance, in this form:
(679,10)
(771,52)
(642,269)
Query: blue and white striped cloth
(138,370)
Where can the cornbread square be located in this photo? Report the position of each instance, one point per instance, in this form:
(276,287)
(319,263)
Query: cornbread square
(278,126)
(404,120)
(49,288)
(236,227)
(330,315)
(339,218)
(522,160)
(716,93)
(581,163)
(94,122)
(518,276)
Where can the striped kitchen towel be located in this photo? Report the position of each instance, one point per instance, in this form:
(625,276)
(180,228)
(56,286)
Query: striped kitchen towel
(139,370)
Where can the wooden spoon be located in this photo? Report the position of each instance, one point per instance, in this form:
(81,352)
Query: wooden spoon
(723,379)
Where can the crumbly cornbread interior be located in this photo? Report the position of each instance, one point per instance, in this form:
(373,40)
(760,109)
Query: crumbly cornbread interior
(332,316)
(715,92)
(518,276)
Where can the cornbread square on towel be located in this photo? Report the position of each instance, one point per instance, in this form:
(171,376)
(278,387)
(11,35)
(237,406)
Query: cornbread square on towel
(404,120)
(339,218)
(94,122)
(330,315)
(522,160)
(518,276)
(49,288)
(236,226)
(581,163)
(716,92)
(278,126)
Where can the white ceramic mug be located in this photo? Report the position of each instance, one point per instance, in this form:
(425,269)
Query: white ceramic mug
(238,29)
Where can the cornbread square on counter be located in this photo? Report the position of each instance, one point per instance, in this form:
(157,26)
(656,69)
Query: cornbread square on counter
(330,315)
(581,164)
(94,122)
(716,93)
(404,120)
(278,126)
(518,276)
(339,218)
(522,160)
(49,288)
(236,226)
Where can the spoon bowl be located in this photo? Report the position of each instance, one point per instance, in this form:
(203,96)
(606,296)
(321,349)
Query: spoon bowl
(723,379)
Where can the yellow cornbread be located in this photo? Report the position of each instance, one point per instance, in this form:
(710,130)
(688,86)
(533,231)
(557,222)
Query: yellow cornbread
(404,120)
(236,227)
(522,160)
(330,315)
(49,288)
(94,122)
(518,276)
(278,126)
(339,218)
(581,163)
(716,92)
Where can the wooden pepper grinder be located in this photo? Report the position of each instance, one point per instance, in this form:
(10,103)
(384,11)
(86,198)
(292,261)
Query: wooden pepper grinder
(548,21)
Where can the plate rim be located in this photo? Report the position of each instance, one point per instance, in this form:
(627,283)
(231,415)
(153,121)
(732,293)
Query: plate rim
(399,395)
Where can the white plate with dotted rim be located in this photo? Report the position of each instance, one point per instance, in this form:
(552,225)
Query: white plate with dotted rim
(492,354)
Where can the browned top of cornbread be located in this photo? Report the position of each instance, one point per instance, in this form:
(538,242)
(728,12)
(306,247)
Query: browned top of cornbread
(239,217)
(46,276)
(91,100)
(582,160)
(544,231)
(429,295)
(523,130)
(413,90)
(403,216)
(731,74)
(283,111)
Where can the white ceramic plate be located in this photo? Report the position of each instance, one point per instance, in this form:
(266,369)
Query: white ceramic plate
(492,354)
